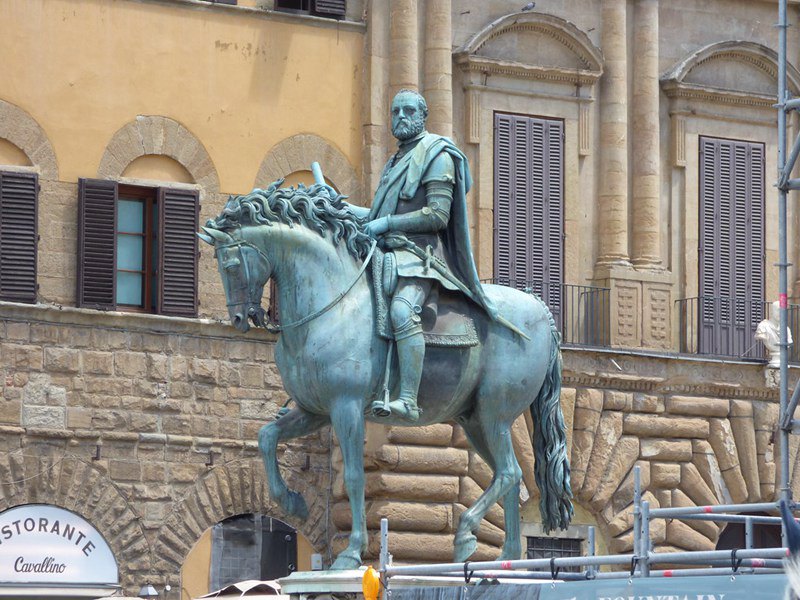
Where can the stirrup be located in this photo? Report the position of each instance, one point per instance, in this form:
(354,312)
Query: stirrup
(380,409)
(412,411)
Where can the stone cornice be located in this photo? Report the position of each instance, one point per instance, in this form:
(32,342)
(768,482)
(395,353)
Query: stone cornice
(701,93)
(128,321)
(493,66)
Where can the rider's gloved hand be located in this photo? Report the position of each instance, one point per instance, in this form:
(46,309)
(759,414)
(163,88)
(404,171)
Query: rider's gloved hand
(377,227)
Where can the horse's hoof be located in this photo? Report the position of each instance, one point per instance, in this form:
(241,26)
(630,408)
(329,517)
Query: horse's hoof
(465,547)
(346,561)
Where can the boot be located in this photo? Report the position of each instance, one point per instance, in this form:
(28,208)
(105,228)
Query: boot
(410,354)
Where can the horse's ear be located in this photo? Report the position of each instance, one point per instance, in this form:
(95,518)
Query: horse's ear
(207,239)
(217,235)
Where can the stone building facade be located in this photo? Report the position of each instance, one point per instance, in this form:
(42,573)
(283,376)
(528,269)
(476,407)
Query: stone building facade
(145,424)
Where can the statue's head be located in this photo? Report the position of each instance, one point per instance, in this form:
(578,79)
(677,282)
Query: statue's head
(409,112)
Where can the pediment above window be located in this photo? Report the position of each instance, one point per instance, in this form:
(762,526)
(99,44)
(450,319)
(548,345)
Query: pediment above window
(732,72)
(533,46)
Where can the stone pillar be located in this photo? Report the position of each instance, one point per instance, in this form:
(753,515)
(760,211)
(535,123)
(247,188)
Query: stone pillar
(646,156)
(376,103)
(404,46)
(613,214)
(439,67)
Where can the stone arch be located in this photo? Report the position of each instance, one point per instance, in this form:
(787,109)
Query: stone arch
(750,54)
(296,153)
(22,130)
(235,488)
(148,135)
(71,483)
(589,58)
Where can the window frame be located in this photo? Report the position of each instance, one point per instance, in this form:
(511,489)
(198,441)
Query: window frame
(150,198)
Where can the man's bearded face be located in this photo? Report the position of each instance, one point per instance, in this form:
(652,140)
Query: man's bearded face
(408,120)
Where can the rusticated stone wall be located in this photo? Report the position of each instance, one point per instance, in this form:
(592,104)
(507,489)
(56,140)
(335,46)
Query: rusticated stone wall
(146,426)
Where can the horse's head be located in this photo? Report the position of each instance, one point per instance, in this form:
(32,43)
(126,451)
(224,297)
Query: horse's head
(245,269)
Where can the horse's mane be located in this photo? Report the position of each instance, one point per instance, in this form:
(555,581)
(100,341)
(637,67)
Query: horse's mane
(319,208)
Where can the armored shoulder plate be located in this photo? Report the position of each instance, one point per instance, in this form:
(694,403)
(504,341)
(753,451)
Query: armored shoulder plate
(440,169)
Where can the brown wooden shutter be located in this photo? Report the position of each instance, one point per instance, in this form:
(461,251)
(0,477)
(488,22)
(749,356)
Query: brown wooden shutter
(178,213)
(97,248)
(731,244)
(329,8)
(529,205)
(18,235)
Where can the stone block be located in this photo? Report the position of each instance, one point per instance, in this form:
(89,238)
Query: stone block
(608,433)
(404,516)
(582,442)
(682,536)
(419,488)
(723,443)
(62,360)
(744,435)
(430,435)
(178,368)
(701,407)
(124,470)
(130,364)
(116,420)
(185,472)
(44,416)
(205,370)
(666,450)
(251,375)
(261,410)
(693,485)
(421,459)
(157,367)
(10,411)
(647,403)
(79,418)
(622,458)
(623,495)
(707,528)
(22,357)
(20,332)
(614,400)
(479,471)
(665,475)
(668,427)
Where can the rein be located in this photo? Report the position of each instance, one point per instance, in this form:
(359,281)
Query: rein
(308,318)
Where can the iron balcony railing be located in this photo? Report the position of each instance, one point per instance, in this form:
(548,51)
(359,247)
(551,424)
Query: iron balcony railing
(582,312)
(725,327)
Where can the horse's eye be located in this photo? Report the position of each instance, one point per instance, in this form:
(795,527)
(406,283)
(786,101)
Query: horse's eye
(231,263)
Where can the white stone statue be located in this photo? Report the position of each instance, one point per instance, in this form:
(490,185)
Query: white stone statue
(768,331)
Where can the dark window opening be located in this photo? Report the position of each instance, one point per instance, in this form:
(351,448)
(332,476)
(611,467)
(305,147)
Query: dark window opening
(764,535)
(552,547)
(323,8)
(251,546)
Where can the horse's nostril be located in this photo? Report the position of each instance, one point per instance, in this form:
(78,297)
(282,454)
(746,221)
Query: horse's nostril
(237,319)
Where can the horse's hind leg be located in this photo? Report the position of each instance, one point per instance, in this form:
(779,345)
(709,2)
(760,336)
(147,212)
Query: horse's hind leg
(295,423)
(492,440)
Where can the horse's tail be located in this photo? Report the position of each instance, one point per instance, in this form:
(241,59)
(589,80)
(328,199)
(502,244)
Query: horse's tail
(550,443)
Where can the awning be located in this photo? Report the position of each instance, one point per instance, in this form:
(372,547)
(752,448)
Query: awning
(252,589)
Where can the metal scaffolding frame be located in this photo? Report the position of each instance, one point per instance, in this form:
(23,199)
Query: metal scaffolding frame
(716,562)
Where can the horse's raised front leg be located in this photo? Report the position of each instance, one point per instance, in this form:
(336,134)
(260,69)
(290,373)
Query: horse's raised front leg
(295,423)
(347,417)
(492,439)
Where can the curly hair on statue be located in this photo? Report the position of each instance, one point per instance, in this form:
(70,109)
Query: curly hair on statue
(318,208)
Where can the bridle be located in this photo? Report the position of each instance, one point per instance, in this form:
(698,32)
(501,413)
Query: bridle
(269,323)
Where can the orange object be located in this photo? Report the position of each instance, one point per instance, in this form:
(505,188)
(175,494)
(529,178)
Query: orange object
(371,584)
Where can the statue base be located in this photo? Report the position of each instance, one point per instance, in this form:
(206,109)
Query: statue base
(346,585)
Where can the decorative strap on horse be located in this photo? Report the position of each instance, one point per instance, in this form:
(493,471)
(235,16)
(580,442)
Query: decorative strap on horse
(278,328)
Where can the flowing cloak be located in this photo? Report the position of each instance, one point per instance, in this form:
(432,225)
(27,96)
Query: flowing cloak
(402,180)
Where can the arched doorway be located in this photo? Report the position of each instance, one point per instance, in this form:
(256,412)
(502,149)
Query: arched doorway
(242,547)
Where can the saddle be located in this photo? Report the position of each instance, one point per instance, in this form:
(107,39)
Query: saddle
(446,317)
